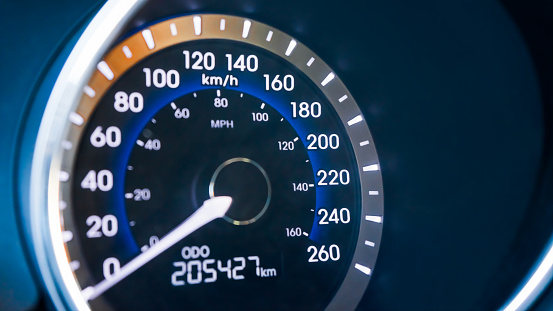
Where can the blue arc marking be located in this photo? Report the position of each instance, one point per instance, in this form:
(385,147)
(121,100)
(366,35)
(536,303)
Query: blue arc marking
(158,99)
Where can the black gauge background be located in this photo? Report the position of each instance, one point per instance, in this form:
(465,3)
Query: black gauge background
(465,152)
(181,171)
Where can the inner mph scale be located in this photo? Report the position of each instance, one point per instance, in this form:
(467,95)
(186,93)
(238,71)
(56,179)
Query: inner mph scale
(214,162)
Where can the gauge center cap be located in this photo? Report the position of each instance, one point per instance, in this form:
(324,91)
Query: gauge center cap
(247,183)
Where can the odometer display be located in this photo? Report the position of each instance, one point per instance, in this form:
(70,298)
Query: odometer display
(198,108)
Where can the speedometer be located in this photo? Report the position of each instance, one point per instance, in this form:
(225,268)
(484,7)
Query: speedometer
(214,162)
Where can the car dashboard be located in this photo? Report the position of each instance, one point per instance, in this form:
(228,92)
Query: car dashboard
(286,155)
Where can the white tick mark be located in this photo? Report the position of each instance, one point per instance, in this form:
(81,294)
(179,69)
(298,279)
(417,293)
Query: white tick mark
(328,78)
(127,52)
(370,168)
(105,70)
(355,120)
(173,28)
(291,47)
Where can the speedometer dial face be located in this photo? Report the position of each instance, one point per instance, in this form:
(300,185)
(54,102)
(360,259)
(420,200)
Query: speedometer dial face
(216,163)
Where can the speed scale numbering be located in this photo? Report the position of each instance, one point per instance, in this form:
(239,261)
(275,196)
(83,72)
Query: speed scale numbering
(214,162)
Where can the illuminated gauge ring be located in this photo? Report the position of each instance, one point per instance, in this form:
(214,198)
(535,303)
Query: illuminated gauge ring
(267,201)
(203,27)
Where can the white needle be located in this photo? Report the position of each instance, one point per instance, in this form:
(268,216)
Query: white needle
(211,209)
